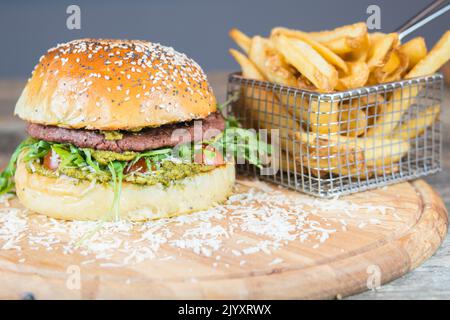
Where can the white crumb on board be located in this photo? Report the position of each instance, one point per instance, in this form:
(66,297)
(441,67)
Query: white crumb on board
(267,217)
(276,261)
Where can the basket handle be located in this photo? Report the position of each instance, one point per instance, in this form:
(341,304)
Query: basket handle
(424,16)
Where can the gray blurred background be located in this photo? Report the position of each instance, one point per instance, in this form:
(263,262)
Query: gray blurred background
(197,27)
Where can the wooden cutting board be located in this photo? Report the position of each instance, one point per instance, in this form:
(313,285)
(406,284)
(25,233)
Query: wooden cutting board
(266,243)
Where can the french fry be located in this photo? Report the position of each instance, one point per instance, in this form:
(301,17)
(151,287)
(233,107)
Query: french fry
(270,62)
(344,39)
(401,69)
(415,49)
(375,36)
(393,69)
(241,39)
(392,63)
(392,112)
(271,115)
(249,70)
(321,116)
(435,59)
(354,172)
(343,155)
(277,116)
(323,154)
(353,121)
(358,139)
(416,126)
(380,49)
(360,53)
(357,77)
(329,55)
(254,95)
(308,62)
(305,84)
(289,162)
(372,104)
(401,99)
(322,121)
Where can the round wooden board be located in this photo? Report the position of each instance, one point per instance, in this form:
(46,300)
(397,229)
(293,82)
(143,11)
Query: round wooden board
(366,246)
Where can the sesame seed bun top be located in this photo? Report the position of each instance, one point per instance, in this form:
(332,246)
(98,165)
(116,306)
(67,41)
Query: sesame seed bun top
(115,85)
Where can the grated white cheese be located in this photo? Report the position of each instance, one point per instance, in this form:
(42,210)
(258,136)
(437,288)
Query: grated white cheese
(259,220)
(276,261)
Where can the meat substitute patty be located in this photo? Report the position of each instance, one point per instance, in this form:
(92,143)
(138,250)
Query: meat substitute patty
(147,139)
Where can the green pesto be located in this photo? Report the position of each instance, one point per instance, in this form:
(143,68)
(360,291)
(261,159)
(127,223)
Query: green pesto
(105,157)
(139,129)
(70,172)
(112,135)
(166,174)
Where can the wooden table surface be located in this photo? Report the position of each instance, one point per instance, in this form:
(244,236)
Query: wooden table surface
(429,281)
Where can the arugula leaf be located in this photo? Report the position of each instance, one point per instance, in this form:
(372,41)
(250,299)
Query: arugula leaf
(242,143)
(184,152)
(67,157)
(37,150)
(230,120)
(152,157)
(7,175)
(234,97)
(155,155)
(116,168)
(93,164)
(239,142)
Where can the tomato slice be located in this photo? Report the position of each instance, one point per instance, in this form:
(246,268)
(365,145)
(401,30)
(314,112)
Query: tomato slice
(209,156)
(52,160)
(139,166)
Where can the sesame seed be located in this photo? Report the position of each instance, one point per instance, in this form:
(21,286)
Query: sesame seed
(162,68)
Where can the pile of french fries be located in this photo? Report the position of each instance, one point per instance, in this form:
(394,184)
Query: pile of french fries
(347,141)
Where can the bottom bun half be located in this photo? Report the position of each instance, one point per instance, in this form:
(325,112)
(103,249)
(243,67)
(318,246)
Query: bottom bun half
(70,199)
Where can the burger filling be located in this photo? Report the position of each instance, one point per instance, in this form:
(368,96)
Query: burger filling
(143,140)
(142,169)
(147,157)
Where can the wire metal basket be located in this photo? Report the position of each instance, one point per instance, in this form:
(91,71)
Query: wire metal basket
(329,144)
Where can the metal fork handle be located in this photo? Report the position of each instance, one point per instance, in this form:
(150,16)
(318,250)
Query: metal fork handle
(423,17)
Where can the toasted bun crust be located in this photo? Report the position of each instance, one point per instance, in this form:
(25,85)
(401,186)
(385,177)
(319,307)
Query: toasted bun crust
(63,198)
(115,85)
